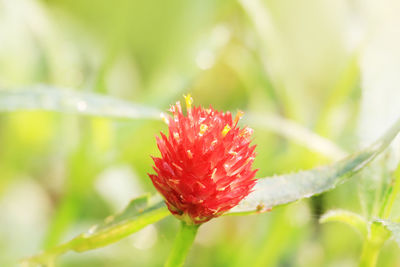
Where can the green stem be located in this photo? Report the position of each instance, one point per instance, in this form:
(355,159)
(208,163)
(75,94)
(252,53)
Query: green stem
(183,242)
(369,255)
(372,245)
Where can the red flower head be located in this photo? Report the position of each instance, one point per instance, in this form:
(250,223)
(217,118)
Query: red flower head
(205,167)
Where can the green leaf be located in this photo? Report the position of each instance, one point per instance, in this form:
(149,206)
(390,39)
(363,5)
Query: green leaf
(139,213)
(49,98)
(350,218)
(393,227)
(283,189)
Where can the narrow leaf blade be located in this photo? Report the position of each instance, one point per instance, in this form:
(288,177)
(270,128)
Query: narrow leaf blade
(138,214)
(283,189)
(49,98)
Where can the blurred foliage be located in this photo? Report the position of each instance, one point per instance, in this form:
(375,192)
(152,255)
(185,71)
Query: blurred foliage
(61,174)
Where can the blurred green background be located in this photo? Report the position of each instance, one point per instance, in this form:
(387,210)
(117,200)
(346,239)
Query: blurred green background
(305,62)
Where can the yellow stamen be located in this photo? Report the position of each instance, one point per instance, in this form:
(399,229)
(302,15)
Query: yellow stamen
(226,129)
(203,129)
(248,160)
(189,101)
(239,115)
(213,174)
(234,153)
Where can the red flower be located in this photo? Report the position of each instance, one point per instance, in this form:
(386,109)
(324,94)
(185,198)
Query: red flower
(205,167)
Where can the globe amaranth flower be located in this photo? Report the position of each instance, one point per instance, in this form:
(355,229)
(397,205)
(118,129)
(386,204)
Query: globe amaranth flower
(205,168)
